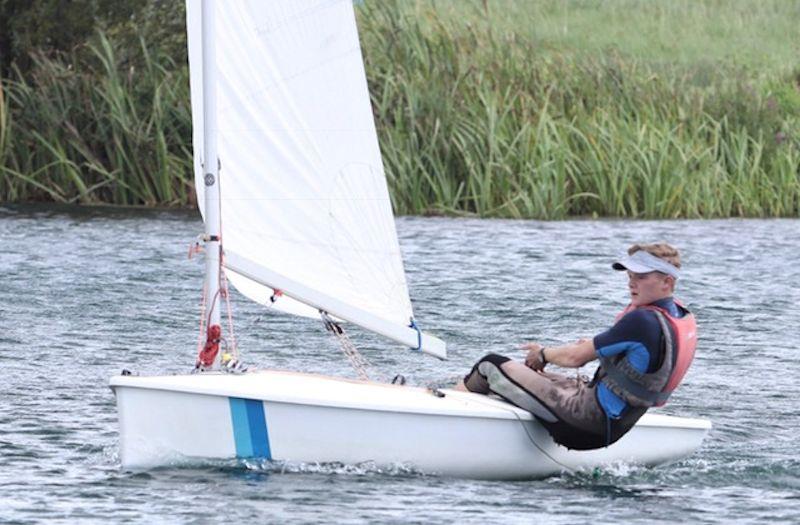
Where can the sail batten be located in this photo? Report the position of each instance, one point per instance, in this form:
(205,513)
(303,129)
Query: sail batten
(302,187)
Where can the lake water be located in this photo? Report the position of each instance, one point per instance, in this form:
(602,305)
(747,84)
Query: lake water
(86,293)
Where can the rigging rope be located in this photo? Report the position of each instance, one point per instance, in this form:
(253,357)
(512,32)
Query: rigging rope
(200,337)
(229,360)
(419,334)
(357,360)
(234,349)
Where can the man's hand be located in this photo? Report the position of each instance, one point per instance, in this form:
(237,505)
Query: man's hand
(534,359)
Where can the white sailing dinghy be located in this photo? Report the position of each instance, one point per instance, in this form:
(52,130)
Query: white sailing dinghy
(287,162)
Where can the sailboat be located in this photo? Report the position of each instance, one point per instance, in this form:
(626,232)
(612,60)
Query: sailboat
(297,217)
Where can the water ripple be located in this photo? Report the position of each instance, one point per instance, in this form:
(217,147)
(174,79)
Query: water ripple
(84,297)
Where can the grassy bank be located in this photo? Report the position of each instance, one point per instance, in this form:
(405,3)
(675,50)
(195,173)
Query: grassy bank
(507,109)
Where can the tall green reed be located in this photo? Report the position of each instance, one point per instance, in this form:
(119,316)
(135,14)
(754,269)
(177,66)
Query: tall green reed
(476,119)
(112,129)
(476,115)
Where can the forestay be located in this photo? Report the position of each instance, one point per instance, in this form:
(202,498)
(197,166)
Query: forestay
(303,192)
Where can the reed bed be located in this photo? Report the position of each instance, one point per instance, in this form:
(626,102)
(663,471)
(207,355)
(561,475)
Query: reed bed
(477,117)
(480,111)
(113,128)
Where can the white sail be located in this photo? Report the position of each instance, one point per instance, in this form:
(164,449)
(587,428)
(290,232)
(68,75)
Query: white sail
(303,192)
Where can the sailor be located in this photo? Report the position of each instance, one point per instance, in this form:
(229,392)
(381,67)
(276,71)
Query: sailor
(643,357)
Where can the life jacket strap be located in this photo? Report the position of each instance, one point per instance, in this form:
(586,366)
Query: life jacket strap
(624,382)
(623,375)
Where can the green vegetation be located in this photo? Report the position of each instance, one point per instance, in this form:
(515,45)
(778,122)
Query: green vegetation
(106,121)
(541,109)
(525,109)
(98,131)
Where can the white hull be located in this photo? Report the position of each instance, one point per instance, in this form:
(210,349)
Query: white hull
(287,416)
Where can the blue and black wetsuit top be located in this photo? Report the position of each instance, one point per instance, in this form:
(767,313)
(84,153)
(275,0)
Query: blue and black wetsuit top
(638,335)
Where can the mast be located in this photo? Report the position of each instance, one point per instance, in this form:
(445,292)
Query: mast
(211,180)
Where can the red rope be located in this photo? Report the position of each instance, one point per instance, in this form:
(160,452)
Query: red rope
(205,314)
(211,307)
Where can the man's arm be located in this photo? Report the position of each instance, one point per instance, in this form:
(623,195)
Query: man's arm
(632,327)
(572,355)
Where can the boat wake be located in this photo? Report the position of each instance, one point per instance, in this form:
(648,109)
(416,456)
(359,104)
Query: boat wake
(366,468)
(265,466)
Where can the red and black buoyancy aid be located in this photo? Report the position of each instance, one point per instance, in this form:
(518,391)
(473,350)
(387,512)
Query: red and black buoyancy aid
(654,388)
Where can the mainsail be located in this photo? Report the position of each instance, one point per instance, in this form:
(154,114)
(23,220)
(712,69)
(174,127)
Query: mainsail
(304,202)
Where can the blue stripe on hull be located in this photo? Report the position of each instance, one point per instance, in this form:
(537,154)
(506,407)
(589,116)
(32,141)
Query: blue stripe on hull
(250,428)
